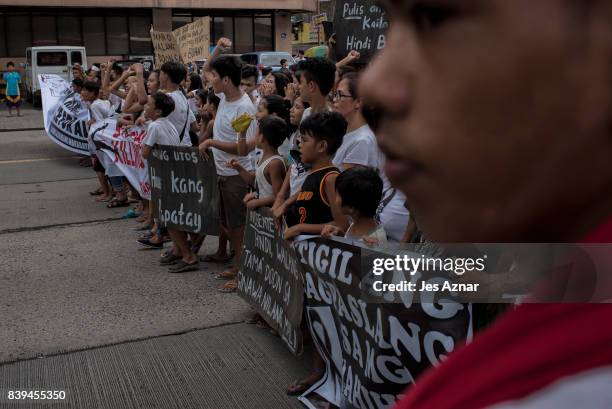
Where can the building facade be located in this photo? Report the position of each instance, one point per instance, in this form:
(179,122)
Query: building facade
(120,28)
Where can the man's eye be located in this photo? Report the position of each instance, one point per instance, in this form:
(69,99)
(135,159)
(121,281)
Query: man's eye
(427,17)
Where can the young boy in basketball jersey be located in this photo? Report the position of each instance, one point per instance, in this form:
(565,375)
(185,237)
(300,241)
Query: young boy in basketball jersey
(316,205)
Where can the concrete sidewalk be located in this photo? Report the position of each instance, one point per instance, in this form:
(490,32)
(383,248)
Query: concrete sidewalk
(32,118)
(233,366)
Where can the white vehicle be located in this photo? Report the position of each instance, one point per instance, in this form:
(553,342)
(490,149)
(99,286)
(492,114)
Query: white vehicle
(50,60)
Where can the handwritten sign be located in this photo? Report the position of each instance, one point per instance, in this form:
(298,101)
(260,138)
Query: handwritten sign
(361,26)
(166,48)
(194,40)
(270,277)
(373,349)
(184,189)
(186,44)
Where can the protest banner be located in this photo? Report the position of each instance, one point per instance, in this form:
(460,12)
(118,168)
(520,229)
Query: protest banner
(65,116)
(194,40)
(186,44)
(165,46)
(184,190)
(270,277)
(121,146)
(372,350)
(361,26)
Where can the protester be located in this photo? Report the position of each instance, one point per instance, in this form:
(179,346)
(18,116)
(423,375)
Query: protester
(275,83)
(98,110)
(193,84)
(77,85)
(160,130)
(248,82)
(316,81)
(359,194)
(316,205)
(270,172)
(480,134)
(225,73)
(171,75)
(359,148)
(13,91)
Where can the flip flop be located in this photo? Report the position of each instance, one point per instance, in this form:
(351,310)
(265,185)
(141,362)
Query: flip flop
(168,259)
(96,192)
(182,266)
(229,287)
(115,203)
(226,275)
(213,258)
(299,387)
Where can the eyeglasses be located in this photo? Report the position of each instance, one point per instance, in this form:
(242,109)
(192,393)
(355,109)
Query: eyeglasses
(337,95)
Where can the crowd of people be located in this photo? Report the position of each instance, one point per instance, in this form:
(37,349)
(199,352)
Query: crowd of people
(307,151)
(479,134)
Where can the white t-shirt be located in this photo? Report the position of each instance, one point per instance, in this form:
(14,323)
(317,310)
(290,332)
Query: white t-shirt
(116,102)
(358,148)
(181,114)
(162,132)
(100,109)
(223,131)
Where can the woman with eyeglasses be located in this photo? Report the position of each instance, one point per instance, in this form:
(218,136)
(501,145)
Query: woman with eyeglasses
(359,148)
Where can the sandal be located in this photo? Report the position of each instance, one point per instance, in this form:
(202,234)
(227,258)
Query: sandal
(214,258)
(168,259)
(226,275)
(229,287)
(299,387)
(117,203)
(182,266)
(261,324)
(96,192)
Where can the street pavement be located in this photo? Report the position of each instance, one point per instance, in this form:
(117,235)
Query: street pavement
(84,309)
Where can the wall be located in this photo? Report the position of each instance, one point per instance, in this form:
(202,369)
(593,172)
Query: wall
(306,5)
(283,36)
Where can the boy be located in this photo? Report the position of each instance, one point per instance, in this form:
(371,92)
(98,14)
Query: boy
(360,191)
(77,85)
(13,92)
(316,76)
(316,203)
(98,111)
(248,82)
(171,75)
(160,131)
(225,74)
(270,173)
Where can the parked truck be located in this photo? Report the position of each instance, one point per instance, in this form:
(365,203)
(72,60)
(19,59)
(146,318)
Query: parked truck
(50,60)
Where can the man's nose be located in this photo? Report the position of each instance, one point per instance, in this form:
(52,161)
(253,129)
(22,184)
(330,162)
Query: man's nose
(384,83)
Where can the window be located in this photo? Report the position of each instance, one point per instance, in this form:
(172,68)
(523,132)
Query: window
(3,39)
(19,34)
(180,21)
(244,35)
(94,35)
(263,34)
(51,58)
(76,57)
(117,35)
(43,31)
(140,36)
(222,27)
(68,30)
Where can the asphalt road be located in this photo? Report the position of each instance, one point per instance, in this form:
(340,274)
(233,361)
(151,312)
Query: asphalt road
(75,286)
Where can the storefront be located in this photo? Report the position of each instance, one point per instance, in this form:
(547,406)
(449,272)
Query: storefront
(122,31)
